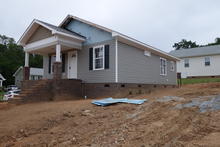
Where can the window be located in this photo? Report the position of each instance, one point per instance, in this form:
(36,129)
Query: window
(186,62)
(163,66)
(207,61)
(172,66)
(98,58)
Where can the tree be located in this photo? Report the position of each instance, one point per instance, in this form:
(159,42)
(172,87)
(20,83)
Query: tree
(12,57)
(185,44)
(217,42)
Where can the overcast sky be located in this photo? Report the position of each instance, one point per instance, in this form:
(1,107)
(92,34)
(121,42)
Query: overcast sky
(159,23)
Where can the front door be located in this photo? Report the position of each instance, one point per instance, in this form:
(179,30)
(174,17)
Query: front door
(72,65)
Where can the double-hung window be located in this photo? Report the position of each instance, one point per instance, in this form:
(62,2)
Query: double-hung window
(207,61)
(172,66)
(98,57)
(163,66)
(186,62)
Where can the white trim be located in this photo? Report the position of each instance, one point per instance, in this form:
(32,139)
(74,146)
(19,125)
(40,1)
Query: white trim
(68,63)
(41,43)
(53,31)
(20,68)
(93,60)
(163,74)
(209,61)
(86,22)
(51,41)
(26,59)
(116,60)
(58,52)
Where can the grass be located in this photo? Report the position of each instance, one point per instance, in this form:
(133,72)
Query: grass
(1,95)
(200,80)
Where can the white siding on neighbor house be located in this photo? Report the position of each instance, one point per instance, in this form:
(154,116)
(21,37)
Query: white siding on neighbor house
(197,66)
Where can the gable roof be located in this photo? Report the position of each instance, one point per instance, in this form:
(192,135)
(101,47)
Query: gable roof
(54,30)
(2,78)
(195,52)
(121,37)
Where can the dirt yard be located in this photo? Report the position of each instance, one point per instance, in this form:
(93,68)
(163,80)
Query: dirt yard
(80,123)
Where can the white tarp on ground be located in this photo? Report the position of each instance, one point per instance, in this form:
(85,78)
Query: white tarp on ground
(110,101)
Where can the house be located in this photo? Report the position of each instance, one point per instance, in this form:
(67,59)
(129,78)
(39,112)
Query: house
(198,62)
(35,74)
(96,55)
(1,80)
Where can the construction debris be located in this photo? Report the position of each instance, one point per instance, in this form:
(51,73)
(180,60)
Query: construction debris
(204,105)
(169,98)
(110,101)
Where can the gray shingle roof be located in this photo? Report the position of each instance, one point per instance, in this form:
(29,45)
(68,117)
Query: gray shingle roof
(61,29)
(199,51)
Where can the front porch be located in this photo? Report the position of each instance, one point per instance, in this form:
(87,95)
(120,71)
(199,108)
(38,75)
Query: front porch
(59,48)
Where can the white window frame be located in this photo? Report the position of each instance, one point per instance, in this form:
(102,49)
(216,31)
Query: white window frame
(161,66)
(93,60)
(172,66)
(185,63)
(209,61)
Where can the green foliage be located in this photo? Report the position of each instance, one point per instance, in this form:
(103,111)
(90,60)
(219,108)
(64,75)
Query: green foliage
(1,95)
(12,57)
(200,80)
(185,44)
(189,44)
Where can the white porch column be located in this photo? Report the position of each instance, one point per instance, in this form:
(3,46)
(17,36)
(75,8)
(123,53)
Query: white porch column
(58,50)
(26,59)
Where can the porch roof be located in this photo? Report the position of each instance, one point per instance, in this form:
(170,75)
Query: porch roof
(54,30)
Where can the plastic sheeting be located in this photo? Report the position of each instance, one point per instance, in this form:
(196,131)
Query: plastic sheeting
(110,101)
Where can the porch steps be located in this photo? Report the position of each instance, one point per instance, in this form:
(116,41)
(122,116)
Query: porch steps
(34,91)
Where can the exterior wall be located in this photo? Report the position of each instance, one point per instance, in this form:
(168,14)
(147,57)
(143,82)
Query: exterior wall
(40,33)
(19,78)
(197,67)
(48,75)
(92,34)
(96,76)
(135,67)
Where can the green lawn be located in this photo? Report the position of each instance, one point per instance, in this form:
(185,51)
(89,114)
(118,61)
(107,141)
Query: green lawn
(200,80)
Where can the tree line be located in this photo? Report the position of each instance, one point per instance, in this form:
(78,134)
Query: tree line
(12,57)
(185,44)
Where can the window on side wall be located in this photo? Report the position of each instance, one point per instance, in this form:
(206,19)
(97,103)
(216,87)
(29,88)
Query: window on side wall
(98,57)
(207,61)
(163,66)
(172,66)
(186,62)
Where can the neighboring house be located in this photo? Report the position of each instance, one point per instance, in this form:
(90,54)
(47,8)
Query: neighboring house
(79,49)
(1,80)
(198,62)
(35,74)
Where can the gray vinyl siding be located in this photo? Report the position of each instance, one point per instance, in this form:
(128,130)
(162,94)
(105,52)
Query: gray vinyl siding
(39,34)
(96,76)
(48,75)
(134,67)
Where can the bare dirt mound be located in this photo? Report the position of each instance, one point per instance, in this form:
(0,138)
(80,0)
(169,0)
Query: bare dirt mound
(79,123)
